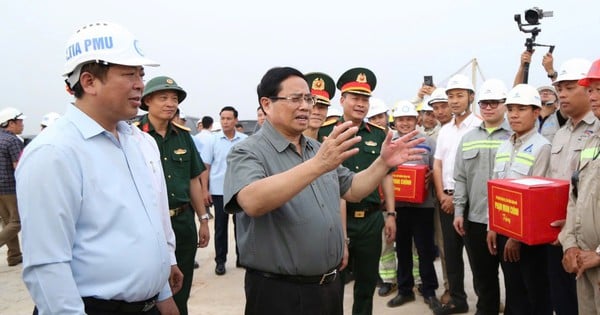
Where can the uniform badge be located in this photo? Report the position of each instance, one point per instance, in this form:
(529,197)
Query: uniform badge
(371,143)
(180,151)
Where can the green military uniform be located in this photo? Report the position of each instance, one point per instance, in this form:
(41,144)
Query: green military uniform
(364,221)
(181,162)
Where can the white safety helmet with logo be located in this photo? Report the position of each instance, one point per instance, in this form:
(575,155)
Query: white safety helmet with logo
(438,96)
(49,119)
(492,89)
(405,108)
(460,81)
(573,70)
(376,107)
(524,94)
(10,113)
(102,42)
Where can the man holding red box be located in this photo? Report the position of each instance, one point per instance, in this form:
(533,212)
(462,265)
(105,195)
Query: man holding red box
(414,221)
(526,153)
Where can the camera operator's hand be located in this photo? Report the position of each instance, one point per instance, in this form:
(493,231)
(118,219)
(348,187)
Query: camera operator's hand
(526,57)
(548,63)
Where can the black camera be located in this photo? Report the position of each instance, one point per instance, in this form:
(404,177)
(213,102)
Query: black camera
(535,14)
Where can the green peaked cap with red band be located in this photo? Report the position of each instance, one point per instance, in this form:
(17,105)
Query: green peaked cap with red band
(322,86)
(357,81)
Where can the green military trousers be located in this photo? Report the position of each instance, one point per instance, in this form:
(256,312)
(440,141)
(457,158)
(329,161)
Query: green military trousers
(186,236)
(363,262)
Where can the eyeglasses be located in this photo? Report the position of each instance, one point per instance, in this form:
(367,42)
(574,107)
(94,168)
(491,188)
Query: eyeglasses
(297,99)
(491,104)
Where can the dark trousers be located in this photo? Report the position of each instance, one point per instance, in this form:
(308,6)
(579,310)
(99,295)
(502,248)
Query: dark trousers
(562,284)
(186,236)
(484,267)
(275,296)
(221,231)
(415,224)
(365,249)
(455,267)
(526,281)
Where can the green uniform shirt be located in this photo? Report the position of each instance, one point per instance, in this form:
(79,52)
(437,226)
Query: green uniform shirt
(180,160)
(369,149)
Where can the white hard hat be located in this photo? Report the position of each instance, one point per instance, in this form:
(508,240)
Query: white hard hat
(102,42)
(524,94)
(438,96)
(181,115)
(573,70)
(376,107)
(405,108)
(334,111)
(425,104)
(10,113)
(49,119)
(492,89)
(459,81)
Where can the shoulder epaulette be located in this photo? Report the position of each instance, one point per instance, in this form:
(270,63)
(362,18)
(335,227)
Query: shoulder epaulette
(374,125)
(181,127)
(329,122)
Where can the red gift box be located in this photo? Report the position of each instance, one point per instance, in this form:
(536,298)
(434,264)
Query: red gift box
(524,208)
(409,183)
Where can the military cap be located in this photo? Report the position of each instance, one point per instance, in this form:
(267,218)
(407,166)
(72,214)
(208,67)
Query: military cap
(321,86)
(160,84)
(357,81)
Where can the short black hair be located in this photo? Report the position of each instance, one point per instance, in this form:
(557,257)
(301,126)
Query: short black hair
(270,84)
(207,121)
(231,109)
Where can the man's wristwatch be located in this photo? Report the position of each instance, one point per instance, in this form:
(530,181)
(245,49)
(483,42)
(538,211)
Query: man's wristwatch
(390,213)
(205,217)
(552,75)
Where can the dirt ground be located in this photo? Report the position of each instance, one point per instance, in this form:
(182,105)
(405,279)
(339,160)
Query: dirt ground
(212,294)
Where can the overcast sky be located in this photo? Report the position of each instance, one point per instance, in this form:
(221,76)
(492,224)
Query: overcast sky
(218,50)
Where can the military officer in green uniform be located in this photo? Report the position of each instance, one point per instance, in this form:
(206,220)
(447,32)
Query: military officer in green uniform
(363,220)
(182,167)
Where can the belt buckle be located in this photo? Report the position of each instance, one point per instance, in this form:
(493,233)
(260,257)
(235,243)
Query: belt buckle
(327,275)
(172,212)
(148,306)
(359,214)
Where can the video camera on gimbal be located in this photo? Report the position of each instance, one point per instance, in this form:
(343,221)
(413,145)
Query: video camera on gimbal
(532,17)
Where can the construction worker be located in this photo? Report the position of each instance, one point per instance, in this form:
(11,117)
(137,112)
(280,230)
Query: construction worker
(438,101)
(580,236)
(430,126)
(460,94)
(363,219)
(525,153)
(415,223)
(551,118)
(378,115)
(474,167)
(323,88)
(566,149)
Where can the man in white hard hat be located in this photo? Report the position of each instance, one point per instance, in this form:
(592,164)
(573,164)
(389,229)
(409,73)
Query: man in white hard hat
(110,248)
(566,149)
(378,115)
(438,101)
(11,146)
(415,223)
(430,126)
(473,168)
(460,94)
(580,237)
(551,117)
(525,153)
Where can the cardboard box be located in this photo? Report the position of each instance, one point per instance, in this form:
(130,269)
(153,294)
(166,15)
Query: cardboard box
(524,208)
(409,183)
